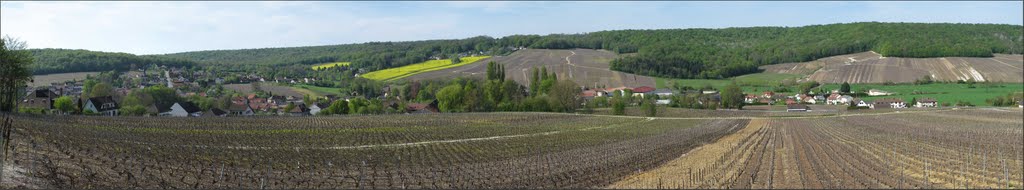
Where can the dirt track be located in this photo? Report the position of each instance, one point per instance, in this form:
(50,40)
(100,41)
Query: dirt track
(583,66)
(870,67)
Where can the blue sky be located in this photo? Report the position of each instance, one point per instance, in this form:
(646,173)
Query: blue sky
(169,27)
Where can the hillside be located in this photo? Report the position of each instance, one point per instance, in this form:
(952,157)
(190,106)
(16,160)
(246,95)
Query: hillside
(583,66)
(676,53)
(670,53)
(870,67)
(49,61)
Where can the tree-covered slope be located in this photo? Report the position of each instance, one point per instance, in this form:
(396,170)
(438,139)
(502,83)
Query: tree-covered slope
(49,61)
(676,53)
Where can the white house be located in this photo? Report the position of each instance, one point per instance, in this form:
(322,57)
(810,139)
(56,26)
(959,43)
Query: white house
(103,105)
(833,99)
(926,102)
(861,103)
(662,102)
(889,103)
(181,109)
(315,108)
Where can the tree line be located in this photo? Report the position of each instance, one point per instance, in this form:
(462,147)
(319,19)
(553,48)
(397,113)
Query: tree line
(48,61)
(675,53)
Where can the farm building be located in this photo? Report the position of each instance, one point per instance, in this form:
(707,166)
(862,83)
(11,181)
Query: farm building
(797,108)
(180,109)
(888,103)
(104,105)
(926,103)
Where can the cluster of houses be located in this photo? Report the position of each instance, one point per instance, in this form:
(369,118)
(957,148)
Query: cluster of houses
(798,102)
(641,92)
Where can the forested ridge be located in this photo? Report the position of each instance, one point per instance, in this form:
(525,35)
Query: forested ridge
(49,61)
(675,53)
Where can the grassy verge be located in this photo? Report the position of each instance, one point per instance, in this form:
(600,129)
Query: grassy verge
(943,92)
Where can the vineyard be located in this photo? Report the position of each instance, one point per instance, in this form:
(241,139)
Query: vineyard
(485,150)
(933,148)
(940,149)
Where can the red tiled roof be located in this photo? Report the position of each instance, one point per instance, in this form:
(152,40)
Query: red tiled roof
(643,89)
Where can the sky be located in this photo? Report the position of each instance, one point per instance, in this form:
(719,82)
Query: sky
(177,26)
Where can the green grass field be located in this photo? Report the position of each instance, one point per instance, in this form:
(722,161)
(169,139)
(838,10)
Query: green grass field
(321,91)
(409,70)
(941,92)
(329,65)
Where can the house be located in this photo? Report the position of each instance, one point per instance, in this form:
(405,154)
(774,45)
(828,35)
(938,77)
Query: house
(104,105)
(750,99)
(215,112)
(926,103)
(180,109)
(643,90)
(240,110)
(845,99)
(420,108)
(40,98)
(662,102)
(663,92)
(888,103)
(861,103)
(768,94)
(833,99)
(1020,104)
(299,110)
(877,92)
(316,107)
(620,90)
(797,108)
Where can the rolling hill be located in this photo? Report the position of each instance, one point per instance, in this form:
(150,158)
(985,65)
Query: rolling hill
(695,53)
(870,67)
(583,66)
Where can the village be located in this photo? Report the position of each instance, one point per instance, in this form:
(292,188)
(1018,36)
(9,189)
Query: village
(193,91)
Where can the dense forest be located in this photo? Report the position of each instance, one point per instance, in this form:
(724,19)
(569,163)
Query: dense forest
(49,61)
(675,53)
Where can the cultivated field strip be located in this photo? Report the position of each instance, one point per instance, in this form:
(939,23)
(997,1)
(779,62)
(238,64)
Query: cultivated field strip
(869,67)
(950,149)
(583,66)
(537,150)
